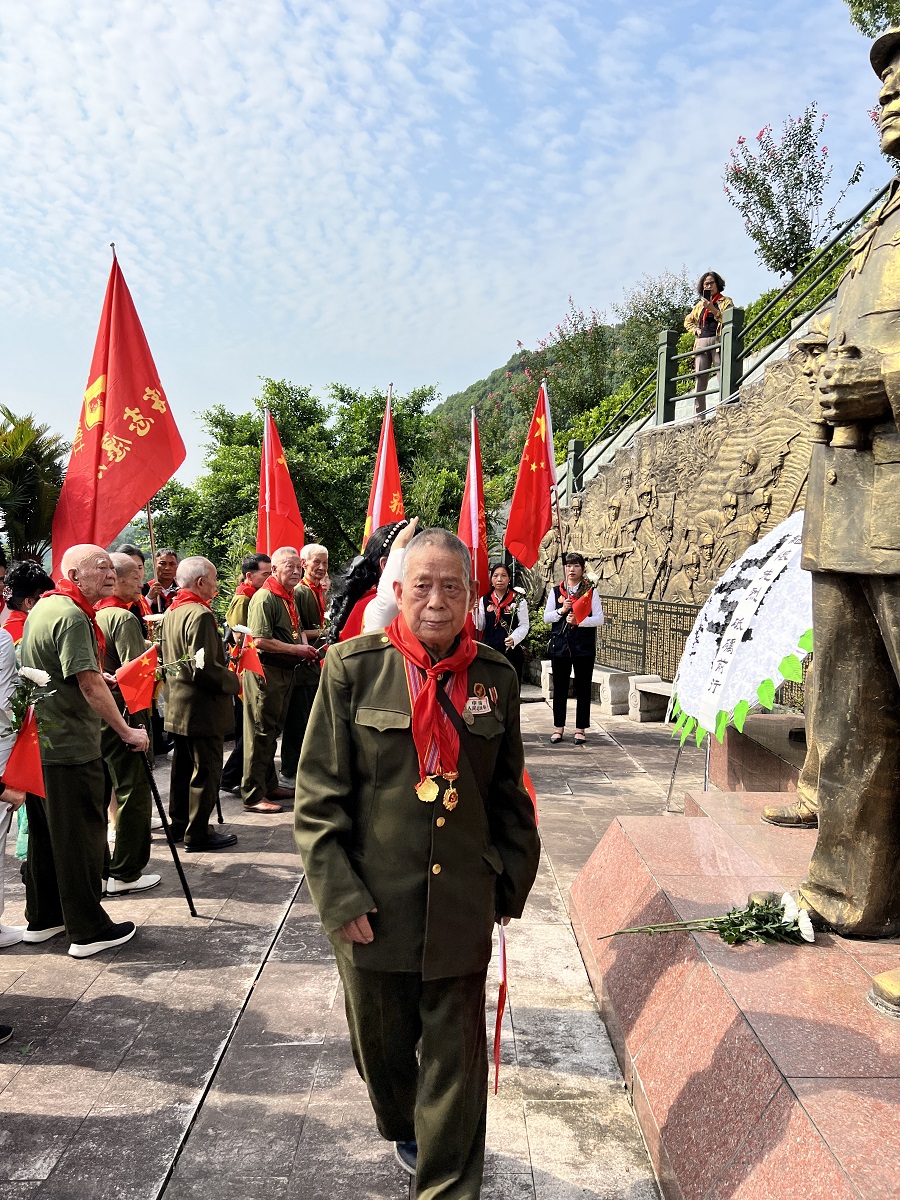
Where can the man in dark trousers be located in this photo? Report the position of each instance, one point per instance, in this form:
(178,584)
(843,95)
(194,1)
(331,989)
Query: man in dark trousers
(67,830)
(417,835)
(255,570)
(282,645)
(198,708)
(127,775)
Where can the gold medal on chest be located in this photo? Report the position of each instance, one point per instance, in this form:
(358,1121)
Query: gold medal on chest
(451,799)
(427,791)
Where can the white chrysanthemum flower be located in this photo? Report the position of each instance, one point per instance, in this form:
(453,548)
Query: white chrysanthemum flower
(154,618)
(791,910)
(242,629)
(33,675)
(805,926)
(200,659)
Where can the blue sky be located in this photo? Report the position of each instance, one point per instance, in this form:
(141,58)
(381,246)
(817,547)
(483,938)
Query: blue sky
(364,190)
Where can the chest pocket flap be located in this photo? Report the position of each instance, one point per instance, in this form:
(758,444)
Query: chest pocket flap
(382,718)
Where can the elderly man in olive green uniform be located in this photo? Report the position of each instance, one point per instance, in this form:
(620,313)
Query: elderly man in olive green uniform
(417,835)
(282,645)
(851,543)
(309,597)
(67,829)
(198,708)
(125,642)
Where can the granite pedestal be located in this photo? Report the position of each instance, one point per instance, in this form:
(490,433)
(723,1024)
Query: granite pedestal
(757,1072)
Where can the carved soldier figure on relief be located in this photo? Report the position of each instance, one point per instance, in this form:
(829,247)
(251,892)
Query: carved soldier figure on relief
(574,531)
(749,529)
(721,525)
(665,563)
(709,572)
(641,536)
(609,555)
(748,478)
(628,500)
(684,586)
(545,570)
(851,544)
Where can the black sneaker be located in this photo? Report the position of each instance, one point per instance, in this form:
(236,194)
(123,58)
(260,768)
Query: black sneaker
(215,841)
(6,1032)
(117,935)
(407,1154)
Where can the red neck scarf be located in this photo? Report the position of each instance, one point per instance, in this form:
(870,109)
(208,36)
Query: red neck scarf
(15,625)
(185,596)
(706,309)
(574,594)
(316,589)
(245,589)
(505,602)
(437,742)
(272,585)
(73,592)
(354,623)
(112,602)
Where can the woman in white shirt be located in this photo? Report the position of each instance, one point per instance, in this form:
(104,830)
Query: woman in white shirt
(573,645)
(501,618)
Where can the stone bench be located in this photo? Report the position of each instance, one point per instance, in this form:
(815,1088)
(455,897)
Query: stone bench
(648,698)
(609,689)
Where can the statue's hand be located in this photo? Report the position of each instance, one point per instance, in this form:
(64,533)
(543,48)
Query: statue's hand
(851,386)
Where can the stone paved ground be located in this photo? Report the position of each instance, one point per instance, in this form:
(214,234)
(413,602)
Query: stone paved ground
(209,1056)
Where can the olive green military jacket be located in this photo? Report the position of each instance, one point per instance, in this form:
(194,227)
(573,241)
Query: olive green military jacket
(124,643)
(199,698)
(308,671)
(438,878)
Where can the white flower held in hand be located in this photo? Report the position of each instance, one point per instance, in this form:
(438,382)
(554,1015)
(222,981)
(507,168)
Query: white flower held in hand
(35,676)
(242,629)
(200,659)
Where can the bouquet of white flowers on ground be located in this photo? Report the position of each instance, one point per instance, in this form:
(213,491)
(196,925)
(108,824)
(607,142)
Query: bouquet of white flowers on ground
(763,920)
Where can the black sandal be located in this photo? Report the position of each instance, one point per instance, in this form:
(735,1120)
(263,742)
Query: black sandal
(579,739)
(555,739)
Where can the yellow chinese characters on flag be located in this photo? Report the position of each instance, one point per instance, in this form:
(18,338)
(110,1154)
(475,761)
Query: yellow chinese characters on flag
(126,445)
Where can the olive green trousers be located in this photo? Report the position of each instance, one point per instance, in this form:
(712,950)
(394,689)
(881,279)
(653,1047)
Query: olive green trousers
(128,777)
(265,708)
(421,1048)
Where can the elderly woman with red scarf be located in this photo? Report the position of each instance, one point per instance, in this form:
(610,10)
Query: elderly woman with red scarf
(705,322)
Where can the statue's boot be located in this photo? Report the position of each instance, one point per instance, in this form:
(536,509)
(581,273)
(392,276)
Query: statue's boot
(802,814)
(885,993)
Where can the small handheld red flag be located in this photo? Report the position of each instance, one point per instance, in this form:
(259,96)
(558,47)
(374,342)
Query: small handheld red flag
(501,1008)
(581,607)
(248,659)
(127,444)
(278,514)
(472,528)
(136,680)
(531,512)
(529,788)
(23,770)
(386,494)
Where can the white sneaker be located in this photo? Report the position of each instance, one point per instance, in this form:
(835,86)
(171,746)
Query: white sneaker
(116,887)
(11,935)
(156,823)
(116,935)
(42,935)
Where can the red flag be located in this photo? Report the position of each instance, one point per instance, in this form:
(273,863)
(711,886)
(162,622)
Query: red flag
(528,785)
(23,770)
(278,517)
(531,512)
(472,526)
(136,680)
(501,1007)
(581,607)
(248,659)
(127,444)
(386,495)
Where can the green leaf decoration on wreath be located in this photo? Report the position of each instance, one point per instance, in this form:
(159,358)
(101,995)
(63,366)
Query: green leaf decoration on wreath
(791,668)
(699,734)
(688,729)
(721,723)
(766,693)
(740,714)
(806,642)
(682,718)
(676,707)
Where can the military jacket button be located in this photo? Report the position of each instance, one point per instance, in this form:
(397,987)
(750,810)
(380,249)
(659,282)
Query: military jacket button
(831,476)
(440,822)
(436,869)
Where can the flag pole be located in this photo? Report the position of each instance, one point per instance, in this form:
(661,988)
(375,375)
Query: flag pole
(562,549)
(150,531)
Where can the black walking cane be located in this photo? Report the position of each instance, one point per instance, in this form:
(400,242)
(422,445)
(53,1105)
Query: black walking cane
(168,832)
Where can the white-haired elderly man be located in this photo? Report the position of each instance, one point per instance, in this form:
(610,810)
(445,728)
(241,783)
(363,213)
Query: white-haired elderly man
(309,597)
(67,830)
(282,646)
(199,705)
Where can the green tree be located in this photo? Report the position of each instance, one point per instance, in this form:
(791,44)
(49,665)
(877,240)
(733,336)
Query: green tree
(779,189)
(871,17)
(654,303)
(31,475)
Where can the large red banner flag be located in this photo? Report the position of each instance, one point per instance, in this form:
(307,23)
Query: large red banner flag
(278,516)
(127,445)
(472,525)
(386,495)
(531,512)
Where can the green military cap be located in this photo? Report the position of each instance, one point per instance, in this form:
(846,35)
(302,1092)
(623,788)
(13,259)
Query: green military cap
(884,49)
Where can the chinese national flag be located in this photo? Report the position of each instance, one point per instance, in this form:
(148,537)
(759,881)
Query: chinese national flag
(23,769)
(127,444)
(136,680)
(531,513)
(472,526)
(386,496)
(581,607)
(248,659)
(278,516)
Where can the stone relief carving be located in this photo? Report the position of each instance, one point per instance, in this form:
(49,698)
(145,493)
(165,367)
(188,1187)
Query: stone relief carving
(666,518)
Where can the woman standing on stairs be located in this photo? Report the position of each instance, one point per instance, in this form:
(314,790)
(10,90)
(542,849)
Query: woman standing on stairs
(574,612)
